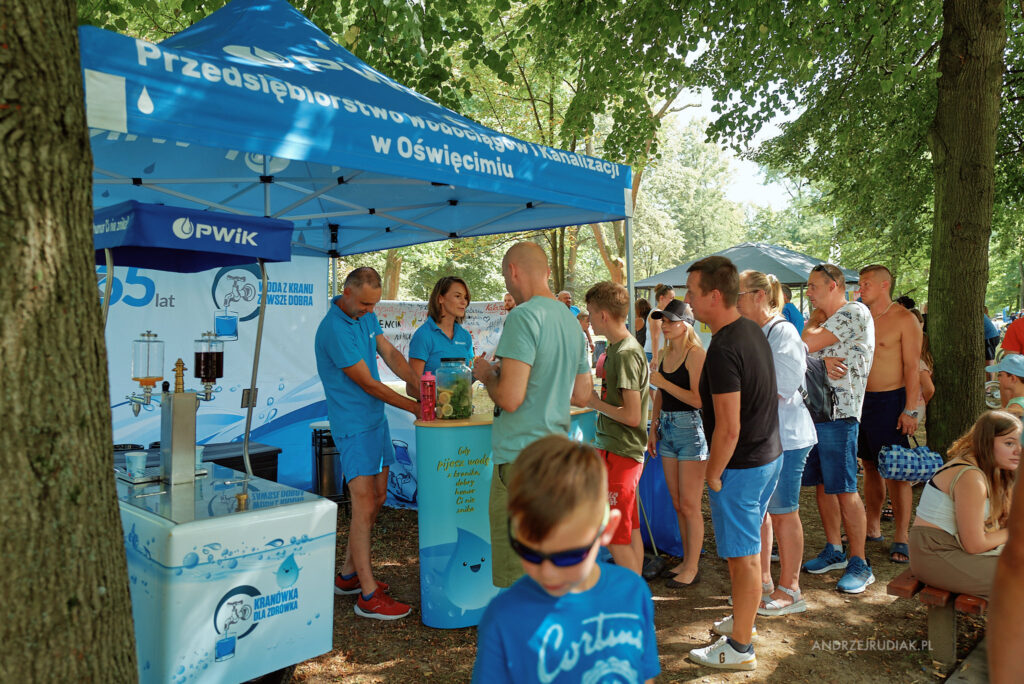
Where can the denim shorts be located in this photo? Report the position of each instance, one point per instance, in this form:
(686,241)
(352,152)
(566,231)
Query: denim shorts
(366,453)
(833,460)
(786,498)
(738,509)
(681,436)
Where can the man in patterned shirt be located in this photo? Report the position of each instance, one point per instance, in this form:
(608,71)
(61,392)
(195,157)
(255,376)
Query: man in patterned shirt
(842,334)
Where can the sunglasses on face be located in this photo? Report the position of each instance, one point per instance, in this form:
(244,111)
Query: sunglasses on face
(821,269)
(561,559)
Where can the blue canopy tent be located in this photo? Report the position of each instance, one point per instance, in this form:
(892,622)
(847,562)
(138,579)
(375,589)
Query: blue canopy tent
(254,110)
(791,268)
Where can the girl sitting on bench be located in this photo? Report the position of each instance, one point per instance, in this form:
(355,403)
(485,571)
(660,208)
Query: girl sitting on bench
(961,517)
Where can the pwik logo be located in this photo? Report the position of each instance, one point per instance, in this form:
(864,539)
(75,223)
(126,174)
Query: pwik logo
(184,229)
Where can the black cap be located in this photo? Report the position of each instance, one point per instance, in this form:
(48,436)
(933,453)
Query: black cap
(675,311)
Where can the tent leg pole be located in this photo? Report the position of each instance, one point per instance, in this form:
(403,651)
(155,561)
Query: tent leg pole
(630,320)
(109,285)
(255,369)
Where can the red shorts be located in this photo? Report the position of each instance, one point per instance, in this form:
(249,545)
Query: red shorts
(623,478)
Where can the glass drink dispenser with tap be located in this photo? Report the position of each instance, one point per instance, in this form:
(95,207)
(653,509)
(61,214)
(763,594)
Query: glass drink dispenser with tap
(147,360)
(209,361)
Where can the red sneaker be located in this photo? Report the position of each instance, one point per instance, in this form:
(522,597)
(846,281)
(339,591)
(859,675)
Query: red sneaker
(351,585)
(381,607)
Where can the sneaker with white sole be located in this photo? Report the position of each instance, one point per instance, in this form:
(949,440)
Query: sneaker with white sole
(380,606)
(723,627)
(347,587)
(724,657)
(828,559)
(857,578)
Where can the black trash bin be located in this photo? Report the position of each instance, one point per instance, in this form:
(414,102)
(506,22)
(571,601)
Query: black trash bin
(326,479)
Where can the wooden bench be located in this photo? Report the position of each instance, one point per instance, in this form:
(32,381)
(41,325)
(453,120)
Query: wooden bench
(942,609)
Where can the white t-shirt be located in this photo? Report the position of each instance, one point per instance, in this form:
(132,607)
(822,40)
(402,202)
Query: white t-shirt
(853,326)
(796,429)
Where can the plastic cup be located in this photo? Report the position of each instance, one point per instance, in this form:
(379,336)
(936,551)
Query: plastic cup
(135,462)
(199,456)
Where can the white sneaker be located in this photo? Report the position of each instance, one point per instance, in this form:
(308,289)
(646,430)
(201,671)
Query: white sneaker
(723,656)
(724,628)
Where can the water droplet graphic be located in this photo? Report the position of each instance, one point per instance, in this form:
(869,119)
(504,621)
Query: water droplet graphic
(213,546)
(270,401)
(145,102)
(288,573)
(150,169)
(177,571)
(275,542)
(233,563)
(105,193)
(271,415)
(190,560)
(235,388)
(218,388)
(262,415)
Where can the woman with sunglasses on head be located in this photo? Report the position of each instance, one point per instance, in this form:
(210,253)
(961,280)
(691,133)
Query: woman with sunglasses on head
(678,432)
(761,300)
(441,336)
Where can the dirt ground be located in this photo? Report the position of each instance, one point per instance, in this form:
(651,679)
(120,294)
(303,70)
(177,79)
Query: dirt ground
(805,647)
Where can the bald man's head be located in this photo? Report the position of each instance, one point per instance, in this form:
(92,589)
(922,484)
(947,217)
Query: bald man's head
(525,268)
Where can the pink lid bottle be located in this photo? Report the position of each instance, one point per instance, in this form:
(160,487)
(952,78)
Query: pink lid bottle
(428,396)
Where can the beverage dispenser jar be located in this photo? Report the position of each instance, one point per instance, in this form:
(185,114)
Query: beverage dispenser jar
(454,390)
(209,365)
(147,359)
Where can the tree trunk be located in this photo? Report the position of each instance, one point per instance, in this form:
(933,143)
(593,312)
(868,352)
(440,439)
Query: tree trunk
(66,609)
(570,261)
(392,274)
(963,142)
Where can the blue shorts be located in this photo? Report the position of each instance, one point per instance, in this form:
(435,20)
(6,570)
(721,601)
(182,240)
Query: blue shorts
(737,511)
(786,498)
(366,453)
(681,436)
(833,460)
(879,423)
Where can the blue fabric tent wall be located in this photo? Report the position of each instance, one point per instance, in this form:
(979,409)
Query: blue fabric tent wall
(256,111)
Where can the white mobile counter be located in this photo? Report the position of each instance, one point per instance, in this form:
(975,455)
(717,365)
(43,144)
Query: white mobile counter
(221,594)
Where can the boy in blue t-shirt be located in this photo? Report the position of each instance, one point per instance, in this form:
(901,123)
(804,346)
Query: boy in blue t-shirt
(571,618)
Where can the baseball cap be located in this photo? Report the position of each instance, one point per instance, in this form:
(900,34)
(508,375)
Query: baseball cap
(1011,363)
(675,311)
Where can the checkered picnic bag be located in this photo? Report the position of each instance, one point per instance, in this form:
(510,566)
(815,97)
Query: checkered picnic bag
(897,462)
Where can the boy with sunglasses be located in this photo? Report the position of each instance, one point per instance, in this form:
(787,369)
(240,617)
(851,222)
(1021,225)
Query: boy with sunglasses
(571,618)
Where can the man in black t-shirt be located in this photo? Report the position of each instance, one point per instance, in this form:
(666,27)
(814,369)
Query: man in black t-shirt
(740,404)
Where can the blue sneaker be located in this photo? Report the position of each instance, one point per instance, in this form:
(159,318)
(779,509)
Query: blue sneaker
(828,559)
(857,578)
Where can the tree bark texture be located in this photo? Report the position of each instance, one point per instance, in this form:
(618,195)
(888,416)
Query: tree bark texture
(963,144)
(66,614)
(392,273)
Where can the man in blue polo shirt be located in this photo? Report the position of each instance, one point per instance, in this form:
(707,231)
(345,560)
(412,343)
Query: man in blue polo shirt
(347,343)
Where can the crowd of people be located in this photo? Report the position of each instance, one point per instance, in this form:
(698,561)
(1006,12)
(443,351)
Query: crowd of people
(734,416)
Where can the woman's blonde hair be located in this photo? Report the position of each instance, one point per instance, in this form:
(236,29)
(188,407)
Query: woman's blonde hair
(977,446)
(690,339)
(769,284)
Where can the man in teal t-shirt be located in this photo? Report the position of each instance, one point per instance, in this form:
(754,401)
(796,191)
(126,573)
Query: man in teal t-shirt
(543,364)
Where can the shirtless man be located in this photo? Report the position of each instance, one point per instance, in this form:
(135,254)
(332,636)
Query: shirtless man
(890,404)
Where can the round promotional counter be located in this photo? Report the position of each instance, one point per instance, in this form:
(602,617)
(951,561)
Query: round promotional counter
(453,463)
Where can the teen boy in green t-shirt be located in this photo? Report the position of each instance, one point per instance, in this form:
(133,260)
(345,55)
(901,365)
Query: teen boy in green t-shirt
(622,425)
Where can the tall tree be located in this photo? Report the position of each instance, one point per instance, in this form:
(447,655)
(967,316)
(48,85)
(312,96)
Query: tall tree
(67,616)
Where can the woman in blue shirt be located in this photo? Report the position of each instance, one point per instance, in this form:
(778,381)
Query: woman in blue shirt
(441,336)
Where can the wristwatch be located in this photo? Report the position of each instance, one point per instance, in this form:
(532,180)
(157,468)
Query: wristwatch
(913,414)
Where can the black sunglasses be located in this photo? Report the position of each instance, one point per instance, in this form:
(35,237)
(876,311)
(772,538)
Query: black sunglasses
(561,559)
(821,269)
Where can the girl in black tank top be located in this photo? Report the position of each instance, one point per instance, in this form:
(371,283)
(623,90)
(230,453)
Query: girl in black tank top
(681,377)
